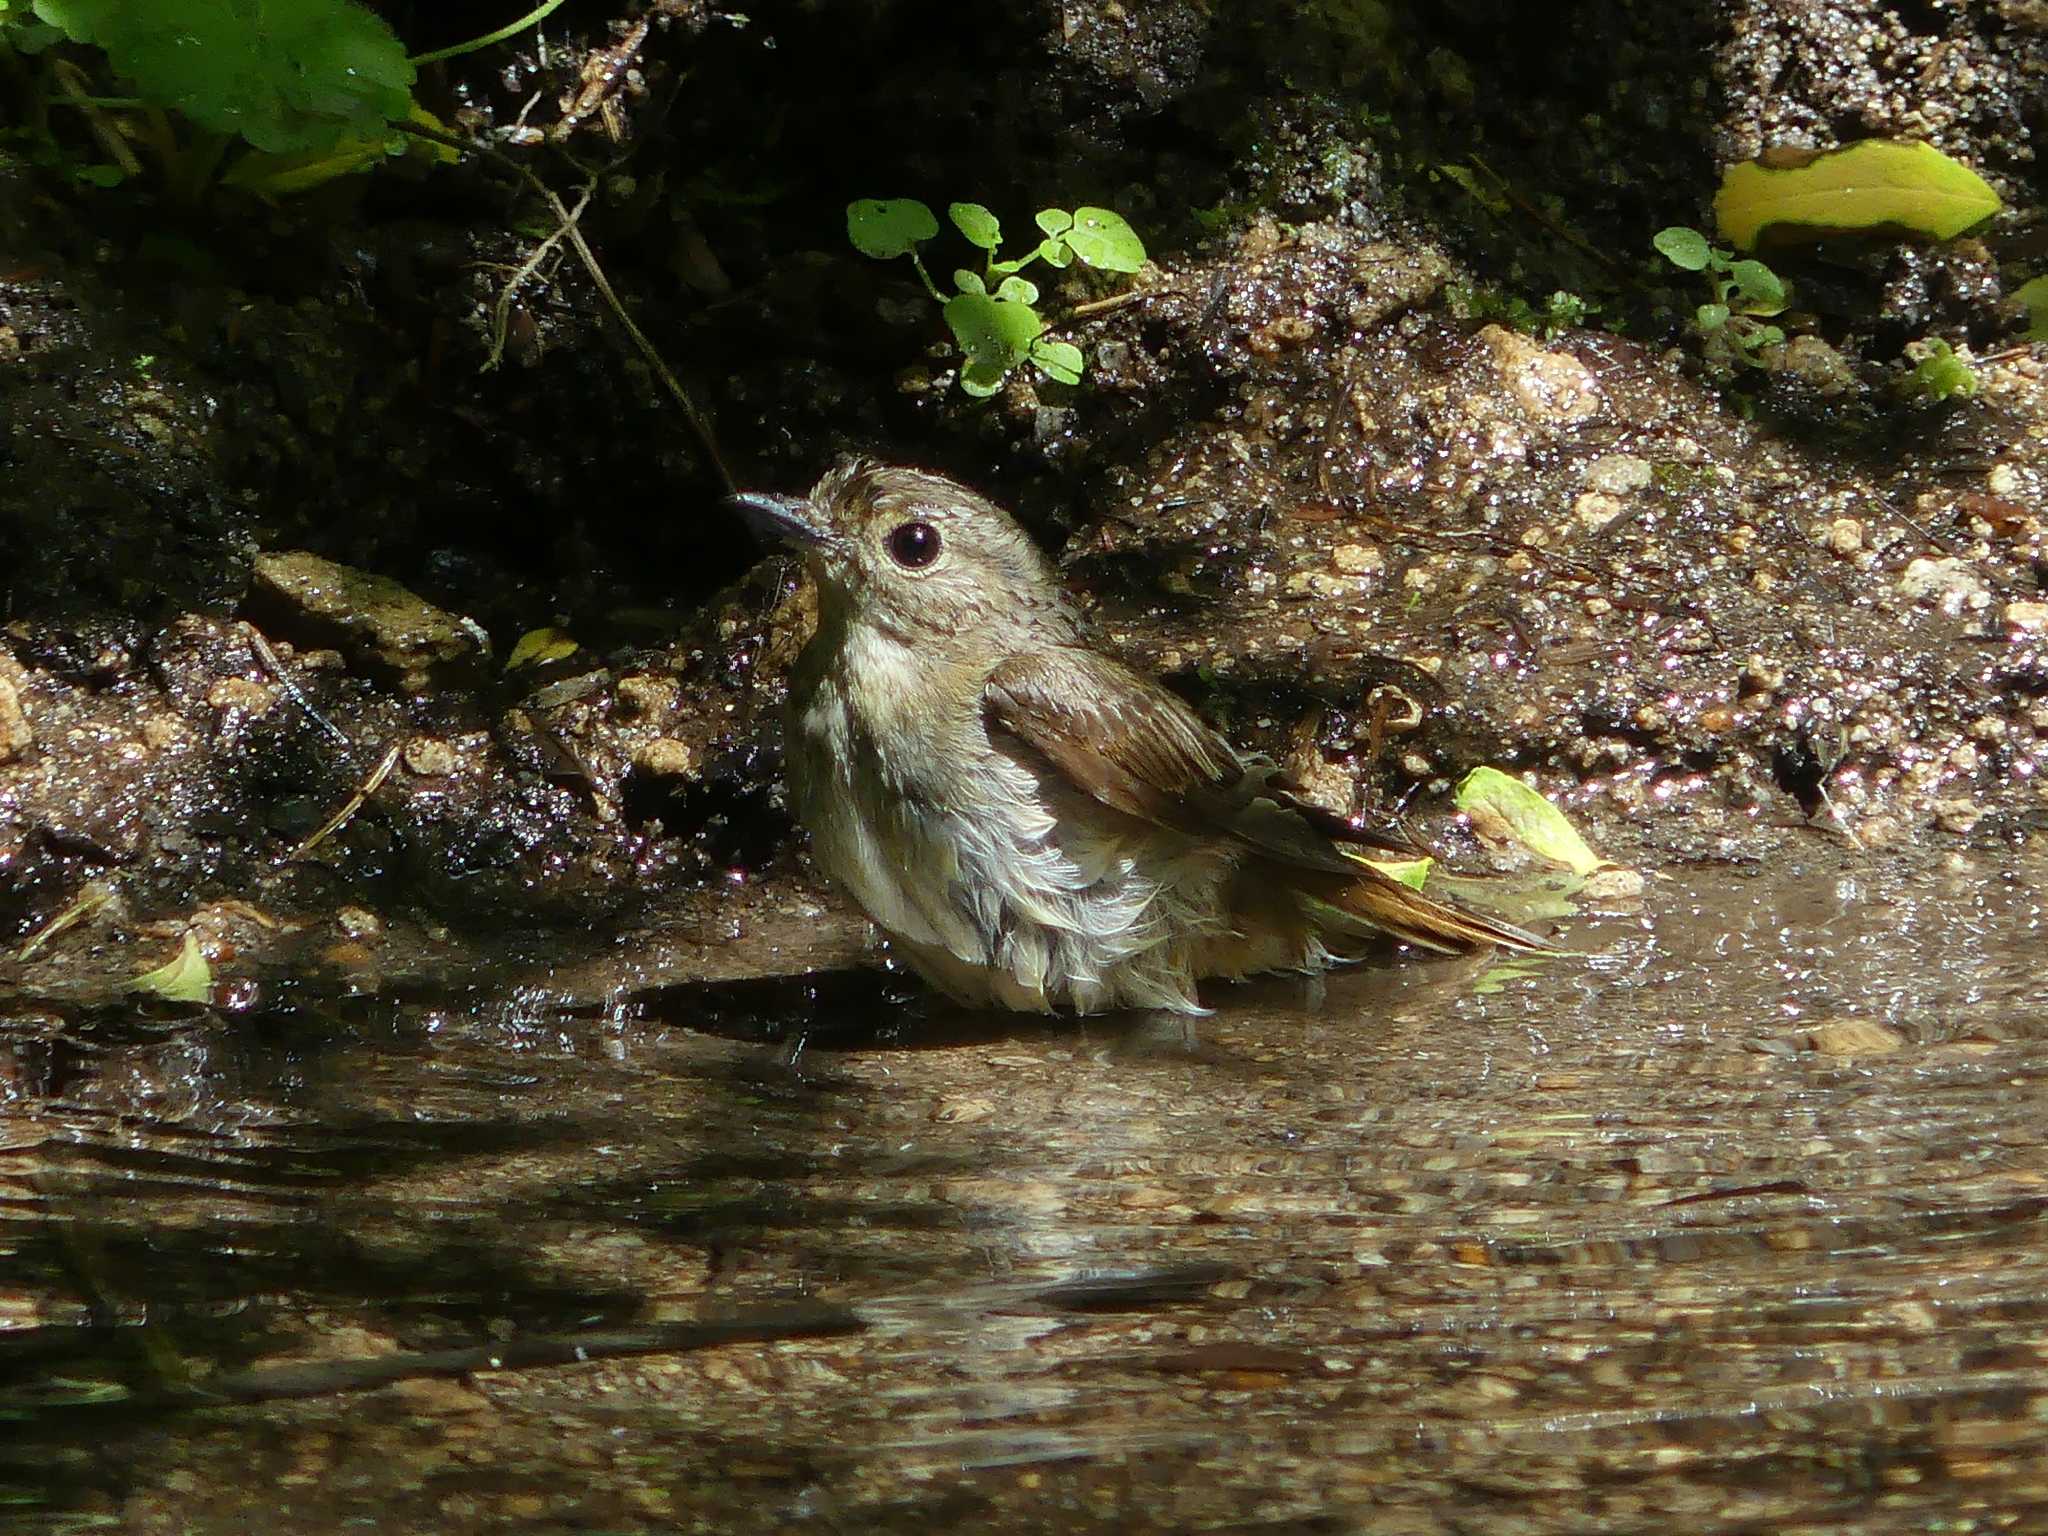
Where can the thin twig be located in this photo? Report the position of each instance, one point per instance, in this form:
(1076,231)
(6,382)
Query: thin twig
(501,313)
(95,896)
(699,422)
(1104,306)
(354,803)
(71,80)
(270,660)
(1569,236)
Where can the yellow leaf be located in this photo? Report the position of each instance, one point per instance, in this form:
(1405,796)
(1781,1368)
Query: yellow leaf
(187,979)
(1875,184)
(1504,809)
(1410,872)
(540,645)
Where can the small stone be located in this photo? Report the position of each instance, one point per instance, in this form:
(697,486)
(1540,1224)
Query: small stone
(1817,365)
(161,731)
(377,621)
(16,737)
(1949,582)
(644,697)
(1550,386)
(1596,509)
(439,1396)
(430,757)
(1618,474)
(241,693)
(1958,815)
(359,922)
(1762,677)
(1843,536)
(665,758)
(1855,1037)
(1357,559)
(1277,336)
(1614,883)
(2032,618)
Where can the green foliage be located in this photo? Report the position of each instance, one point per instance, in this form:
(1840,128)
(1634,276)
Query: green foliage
(2033,297)
(1745,291)
(1938,374)
(895,227)
(1560,312)
(289,76)
(993,313)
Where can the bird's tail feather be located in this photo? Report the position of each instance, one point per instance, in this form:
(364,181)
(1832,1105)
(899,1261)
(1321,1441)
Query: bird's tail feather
(1373,903)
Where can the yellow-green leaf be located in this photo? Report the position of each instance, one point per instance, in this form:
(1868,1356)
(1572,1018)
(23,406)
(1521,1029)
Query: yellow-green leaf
(273,176)
(1877,183)
(540,645)
(186,979)
(2035,296)
(1504,809)
(1410,872)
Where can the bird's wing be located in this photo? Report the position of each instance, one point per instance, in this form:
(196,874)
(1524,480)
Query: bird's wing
(1130,744)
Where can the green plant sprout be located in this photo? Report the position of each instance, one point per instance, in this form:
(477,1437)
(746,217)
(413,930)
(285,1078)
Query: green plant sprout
(993,313)
(1938,374)
(1561,312)
(1746,293)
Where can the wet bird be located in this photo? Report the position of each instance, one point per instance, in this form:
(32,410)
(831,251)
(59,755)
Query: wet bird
(1033,825)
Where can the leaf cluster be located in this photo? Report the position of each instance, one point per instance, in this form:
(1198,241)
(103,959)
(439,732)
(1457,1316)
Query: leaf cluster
(1938,374)
(1746,293)
(1562,311)
(993,314)
(289,76)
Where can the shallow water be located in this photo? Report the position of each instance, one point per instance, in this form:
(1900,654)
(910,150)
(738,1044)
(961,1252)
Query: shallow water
(1734,1222)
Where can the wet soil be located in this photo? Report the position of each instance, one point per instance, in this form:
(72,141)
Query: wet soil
(1730,1219)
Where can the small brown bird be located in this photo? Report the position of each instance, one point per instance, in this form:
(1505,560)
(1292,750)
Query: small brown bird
(1033,825)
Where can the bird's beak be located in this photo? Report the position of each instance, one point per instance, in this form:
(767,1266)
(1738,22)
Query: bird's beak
(781,519)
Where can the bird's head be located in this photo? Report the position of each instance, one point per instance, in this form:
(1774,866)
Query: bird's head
(918,556)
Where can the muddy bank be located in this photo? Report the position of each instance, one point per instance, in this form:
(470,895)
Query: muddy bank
(1313,476)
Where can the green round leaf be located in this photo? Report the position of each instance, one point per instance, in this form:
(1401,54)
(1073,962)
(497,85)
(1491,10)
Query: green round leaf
(1684,247)
(886,227)
(1102,239)
(1054,221)
(968,282)
(996,336)
(1712,317)
(1054,253)
(1060,360)
(977,224)
(1762,291)
(1018,290)
(288,77)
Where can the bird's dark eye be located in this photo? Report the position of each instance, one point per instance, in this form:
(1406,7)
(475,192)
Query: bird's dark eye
(914,545)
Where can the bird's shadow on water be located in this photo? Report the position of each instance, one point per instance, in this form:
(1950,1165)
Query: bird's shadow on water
(211,1194)
(201,1189)
(804,1021)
